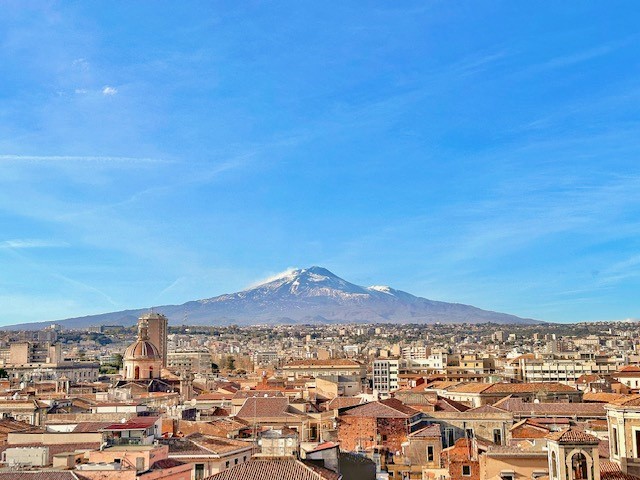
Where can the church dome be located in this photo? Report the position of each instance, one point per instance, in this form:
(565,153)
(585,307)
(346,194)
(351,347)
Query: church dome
(142,348)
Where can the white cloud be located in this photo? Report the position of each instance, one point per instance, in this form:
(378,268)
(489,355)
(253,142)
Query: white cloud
(80,91)
(109,91)
(53,159)
(271,278)
(81,64)
(32,243)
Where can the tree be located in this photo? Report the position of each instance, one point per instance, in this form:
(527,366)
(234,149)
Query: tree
(230,363)
(117,360)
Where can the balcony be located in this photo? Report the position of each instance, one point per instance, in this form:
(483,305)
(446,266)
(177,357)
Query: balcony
(129,441)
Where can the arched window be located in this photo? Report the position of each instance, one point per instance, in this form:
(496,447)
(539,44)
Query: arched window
(554,465)
(136,374)
(579,466)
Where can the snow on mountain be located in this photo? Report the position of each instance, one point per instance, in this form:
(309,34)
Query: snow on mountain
(308,295)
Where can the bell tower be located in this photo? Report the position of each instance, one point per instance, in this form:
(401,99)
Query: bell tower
(573,455)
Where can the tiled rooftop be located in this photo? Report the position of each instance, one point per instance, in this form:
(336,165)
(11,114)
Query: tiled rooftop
(573,435)
(274,468)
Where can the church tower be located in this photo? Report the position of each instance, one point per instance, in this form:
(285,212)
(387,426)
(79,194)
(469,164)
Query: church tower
(142,360)
(573,455)
(158,331)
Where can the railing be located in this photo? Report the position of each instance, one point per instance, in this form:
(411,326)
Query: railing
(125,441)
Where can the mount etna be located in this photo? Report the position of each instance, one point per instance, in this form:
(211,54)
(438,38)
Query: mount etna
(309,295)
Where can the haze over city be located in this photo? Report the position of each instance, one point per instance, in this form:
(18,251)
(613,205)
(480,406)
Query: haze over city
(478,153)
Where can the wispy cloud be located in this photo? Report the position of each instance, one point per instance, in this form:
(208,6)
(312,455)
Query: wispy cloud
(272,277)
(53,159)
(109,91)
(32,243)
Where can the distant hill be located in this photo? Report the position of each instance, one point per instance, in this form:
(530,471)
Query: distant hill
(310,295)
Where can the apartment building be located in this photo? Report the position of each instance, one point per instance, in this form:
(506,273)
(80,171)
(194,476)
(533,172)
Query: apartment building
(564,368)
(43,361)
(313,368)
(414,352)
(385,376)
(196,361)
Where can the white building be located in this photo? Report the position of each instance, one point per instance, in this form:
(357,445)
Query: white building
(385,376)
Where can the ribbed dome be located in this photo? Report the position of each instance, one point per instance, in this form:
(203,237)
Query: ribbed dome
(141,349)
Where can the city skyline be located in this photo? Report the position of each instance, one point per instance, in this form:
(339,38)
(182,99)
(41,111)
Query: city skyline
(159,153)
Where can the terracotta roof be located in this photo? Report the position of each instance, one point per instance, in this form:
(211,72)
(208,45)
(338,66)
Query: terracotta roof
(573,435)
(611,471)
(486,409)
(560,409)
(135,423)
(448,405)
(90,427)
(627,401)
(323,446)
(630,368)
(51,475)
(532,387)
(529,429)
(334,362)
(440,384)
(166,463)
(588,378)
(602,397)
(260,407)
(469,387)
(509,388)
(390,408)
(430,431)
(9,425)
(526,356)
(276,468)
(343,402)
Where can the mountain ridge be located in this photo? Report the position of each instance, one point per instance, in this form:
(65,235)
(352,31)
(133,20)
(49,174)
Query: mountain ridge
(306,295)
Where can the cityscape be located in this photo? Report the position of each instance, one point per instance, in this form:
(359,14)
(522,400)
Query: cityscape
(336,240)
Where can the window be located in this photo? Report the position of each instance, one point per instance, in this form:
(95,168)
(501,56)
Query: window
(468,432)
(579,466)
(429,453)
(235,462)
(554,465)
(466,470)
(614,440)
(199,471)
(449,436)
(497,436)
(226,464)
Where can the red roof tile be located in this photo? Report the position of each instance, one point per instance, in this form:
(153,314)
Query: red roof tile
(573,435)
(274,468)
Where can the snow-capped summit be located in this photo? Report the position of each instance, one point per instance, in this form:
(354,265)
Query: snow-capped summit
(310,295)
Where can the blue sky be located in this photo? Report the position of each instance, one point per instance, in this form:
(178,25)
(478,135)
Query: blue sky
(477,152)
